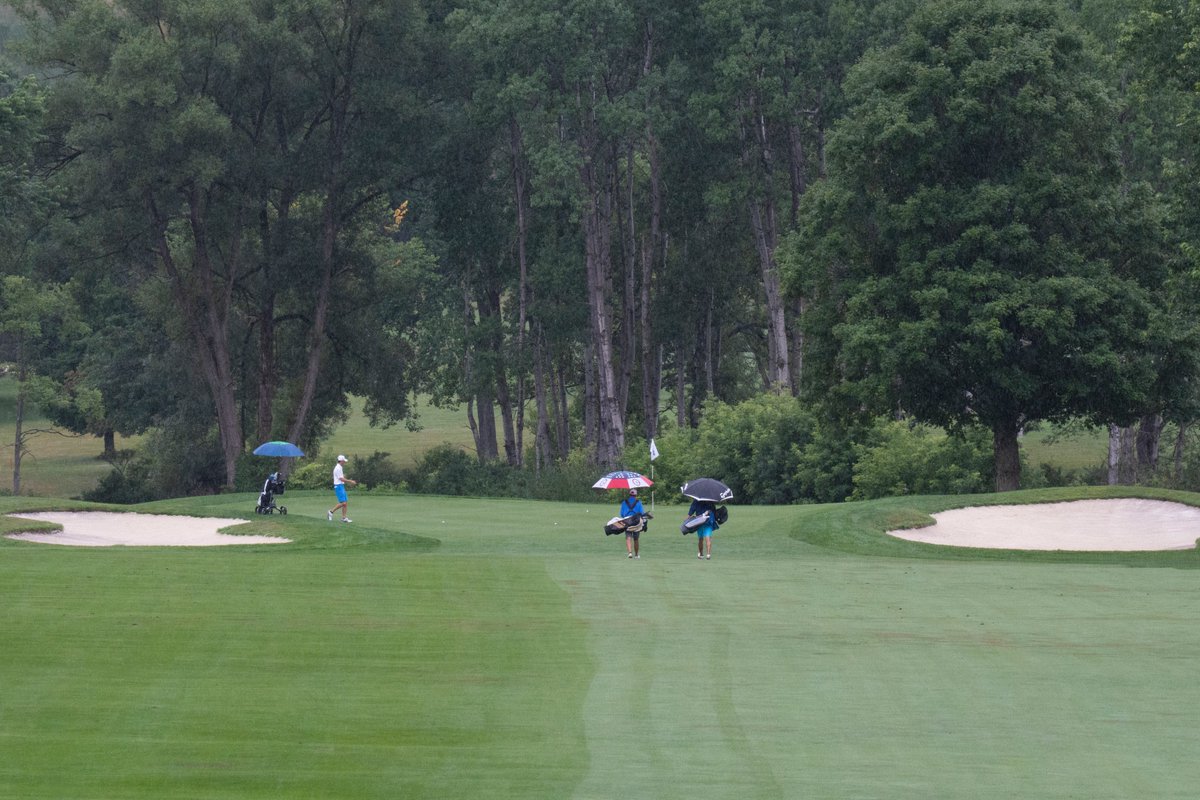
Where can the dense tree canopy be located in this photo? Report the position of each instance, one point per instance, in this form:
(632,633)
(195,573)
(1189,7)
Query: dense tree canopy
(970,232)
(575,220)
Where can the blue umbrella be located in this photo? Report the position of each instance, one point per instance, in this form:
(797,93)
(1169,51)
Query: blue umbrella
(281,449)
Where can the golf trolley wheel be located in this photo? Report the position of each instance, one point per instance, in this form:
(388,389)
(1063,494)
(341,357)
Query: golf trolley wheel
(283,510)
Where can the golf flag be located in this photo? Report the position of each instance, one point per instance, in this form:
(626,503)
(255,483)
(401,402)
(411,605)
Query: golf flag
(653,450)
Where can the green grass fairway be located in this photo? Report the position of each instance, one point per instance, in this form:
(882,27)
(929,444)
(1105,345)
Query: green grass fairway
(458,648)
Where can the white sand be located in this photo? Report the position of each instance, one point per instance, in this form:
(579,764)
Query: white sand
(1080,525)
(105,529)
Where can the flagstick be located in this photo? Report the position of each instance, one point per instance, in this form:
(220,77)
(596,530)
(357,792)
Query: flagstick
(653,455)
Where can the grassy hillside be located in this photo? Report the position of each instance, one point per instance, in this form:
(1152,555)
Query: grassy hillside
(437,426)
(57,464)
(455,648)
(1082,450)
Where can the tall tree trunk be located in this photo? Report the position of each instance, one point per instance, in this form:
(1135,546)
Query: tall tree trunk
(591,399)
(520,190)
(1114,455)
(680,389)
(274,238)
(597,221)
(344,38)
(339,119)
(473,425)
(505,404)
(478,388)
(19,414)
(706,336)
(264,417)
(541,441)
(1180,440)
(203,301)
(110,443)
(798,169)
(491,313)
(1122,456)
(316,333)
(766,239)
(629,348)
(798,162)
(562,414)
(653,254)
(1007,455)
(758,155)
(796,358)
(1148,435)
(486,447)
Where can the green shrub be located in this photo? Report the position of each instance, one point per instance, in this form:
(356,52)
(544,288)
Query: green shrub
(768,449)
(376,471)
(183,461)
(568,481)
(755,447)
(825,470)
(316,474)
(128,483)
(450,470)
(901,458)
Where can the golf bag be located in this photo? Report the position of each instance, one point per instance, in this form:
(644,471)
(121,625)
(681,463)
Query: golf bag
(631,524)
(692,523)
(266,499)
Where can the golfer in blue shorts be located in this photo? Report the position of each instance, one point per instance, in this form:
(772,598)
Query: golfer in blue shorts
(339,488)
(704,532)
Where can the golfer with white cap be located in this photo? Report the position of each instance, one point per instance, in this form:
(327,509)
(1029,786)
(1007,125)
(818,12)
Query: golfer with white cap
(339,488)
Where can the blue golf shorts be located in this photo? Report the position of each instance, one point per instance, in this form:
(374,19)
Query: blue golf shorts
(340,491)
(704,531)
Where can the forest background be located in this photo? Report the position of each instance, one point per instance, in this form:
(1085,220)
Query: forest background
(823,250)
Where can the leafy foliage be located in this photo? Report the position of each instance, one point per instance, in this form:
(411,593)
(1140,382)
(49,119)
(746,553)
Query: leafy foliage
(269,207)
(966,254)
(772,450)
(127,483)
(900,458)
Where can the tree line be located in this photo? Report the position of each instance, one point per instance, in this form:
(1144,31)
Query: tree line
(583,221)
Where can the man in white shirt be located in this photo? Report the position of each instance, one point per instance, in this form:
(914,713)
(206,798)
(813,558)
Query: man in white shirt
(339,488)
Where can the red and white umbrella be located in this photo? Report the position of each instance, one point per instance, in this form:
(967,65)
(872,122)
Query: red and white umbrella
(623,480)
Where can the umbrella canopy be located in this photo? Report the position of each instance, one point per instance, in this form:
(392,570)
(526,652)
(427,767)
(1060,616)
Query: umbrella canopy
(709,489)
(623,480)
(282,449)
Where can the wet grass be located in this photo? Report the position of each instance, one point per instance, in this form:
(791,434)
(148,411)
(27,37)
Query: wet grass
(464,648)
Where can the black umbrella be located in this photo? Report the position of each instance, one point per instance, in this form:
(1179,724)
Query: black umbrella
(709,489)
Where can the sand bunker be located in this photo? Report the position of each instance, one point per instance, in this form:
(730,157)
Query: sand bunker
(1080,525)
(106,529)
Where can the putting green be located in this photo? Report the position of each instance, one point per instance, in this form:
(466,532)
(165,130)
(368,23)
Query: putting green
(518,658)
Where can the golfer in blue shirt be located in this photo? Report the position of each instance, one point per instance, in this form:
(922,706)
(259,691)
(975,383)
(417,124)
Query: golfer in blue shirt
(704,532)
(630,507)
